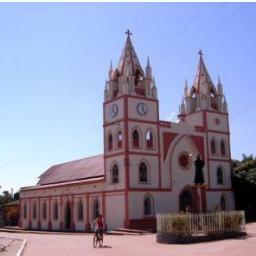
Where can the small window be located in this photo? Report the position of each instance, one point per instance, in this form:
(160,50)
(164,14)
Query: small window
(55,211)
(80,214)
(143,173)
(110,142)
(34,210)
(148,206)
(213,146)
(115,174)
(222,148)
(96,208)
(220,179)
(136,139)
(25,210)
(149,139)
(119,139)
(44,211)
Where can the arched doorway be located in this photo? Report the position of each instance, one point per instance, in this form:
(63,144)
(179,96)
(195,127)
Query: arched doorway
(189,201)
(186,200)
(68,216)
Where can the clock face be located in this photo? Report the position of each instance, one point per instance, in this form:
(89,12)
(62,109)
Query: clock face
(113,110)
(142,109)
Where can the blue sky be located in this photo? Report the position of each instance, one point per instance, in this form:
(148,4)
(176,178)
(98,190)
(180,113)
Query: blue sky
(54,59)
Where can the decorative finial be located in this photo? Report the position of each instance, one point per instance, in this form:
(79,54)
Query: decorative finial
(186,83)
(200,53)
(148,62)
(129,33)
(219,82)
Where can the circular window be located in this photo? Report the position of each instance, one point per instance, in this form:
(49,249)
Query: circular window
(184,160)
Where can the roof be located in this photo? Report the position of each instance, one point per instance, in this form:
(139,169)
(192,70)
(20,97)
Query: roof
(203,83)
(129,63)
(86,168)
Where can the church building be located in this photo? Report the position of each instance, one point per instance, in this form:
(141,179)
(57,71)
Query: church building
(148,165)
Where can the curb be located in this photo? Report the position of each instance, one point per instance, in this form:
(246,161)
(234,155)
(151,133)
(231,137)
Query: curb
(20,251)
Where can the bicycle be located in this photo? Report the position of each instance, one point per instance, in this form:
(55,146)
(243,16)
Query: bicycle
(97,239)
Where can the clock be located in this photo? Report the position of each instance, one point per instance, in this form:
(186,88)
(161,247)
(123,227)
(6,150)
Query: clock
(142,109)
(113,110)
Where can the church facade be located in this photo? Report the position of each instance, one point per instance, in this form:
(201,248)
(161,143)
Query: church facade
(148,164)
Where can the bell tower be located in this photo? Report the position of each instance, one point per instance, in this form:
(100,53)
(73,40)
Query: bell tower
(131,131)
(204,106)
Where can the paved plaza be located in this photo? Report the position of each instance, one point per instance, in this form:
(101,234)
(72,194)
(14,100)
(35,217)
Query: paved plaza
(132,245)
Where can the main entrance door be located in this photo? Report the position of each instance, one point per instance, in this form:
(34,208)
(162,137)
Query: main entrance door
(68,216)
(186,201)
(189,200)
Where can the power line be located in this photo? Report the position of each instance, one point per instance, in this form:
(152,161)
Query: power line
(237,10)
(199,30)
(181,32)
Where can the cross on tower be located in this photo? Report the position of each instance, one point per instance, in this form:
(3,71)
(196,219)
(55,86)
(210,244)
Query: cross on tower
(200,52)
(129,33)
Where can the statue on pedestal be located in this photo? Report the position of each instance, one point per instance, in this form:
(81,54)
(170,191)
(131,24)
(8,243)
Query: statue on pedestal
(199,176)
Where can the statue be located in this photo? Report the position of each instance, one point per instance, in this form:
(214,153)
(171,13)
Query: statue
(199,176)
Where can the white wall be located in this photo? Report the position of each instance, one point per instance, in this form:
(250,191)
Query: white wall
(115,210)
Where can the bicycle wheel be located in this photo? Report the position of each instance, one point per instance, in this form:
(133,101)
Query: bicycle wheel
(100,241)
(95,241)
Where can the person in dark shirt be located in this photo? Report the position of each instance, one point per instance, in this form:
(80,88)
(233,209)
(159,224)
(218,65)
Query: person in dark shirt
(199,176)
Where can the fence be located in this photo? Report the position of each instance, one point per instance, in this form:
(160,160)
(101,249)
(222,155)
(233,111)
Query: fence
(201,223)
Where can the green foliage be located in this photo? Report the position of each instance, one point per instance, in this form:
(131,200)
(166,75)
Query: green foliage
(6,197)
(244,184)
(179,225)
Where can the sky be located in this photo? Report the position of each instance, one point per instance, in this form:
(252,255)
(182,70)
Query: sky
(54,60)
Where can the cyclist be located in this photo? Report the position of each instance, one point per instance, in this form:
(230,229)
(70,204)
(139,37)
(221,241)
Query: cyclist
(99,226)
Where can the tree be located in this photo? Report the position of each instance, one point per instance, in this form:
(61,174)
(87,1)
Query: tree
(244,185)
(6,197)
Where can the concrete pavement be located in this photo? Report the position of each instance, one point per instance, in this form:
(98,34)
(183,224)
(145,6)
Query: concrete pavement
(81,244)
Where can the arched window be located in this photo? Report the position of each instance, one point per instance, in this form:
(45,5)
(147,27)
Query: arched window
(149,139)
(213,146)
(80,212)
(110,142)
(135,139)
(44,211)
(55,210)
(34,210)
(119,139)
(96,208)
(25,210)
(143,173)
(222,203)
(114,174)
(220,178)
(222,148)
(148,206)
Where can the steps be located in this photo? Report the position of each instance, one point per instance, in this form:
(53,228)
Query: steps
(126,231)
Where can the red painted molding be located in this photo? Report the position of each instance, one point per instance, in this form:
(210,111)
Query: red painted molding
(150,189)
(143,153)
(199,142)
(165,124)
(199,129)
(49,186)
(159,150)
(168,137)
(130,96)
(218,132)
(130,120)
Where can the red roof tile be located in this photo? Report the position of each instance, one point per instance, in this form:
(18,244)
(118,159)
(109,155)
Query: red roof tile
(86,168)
